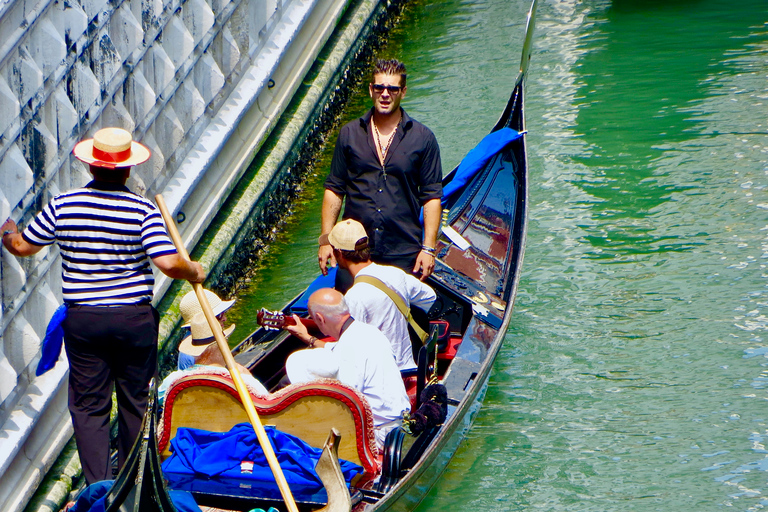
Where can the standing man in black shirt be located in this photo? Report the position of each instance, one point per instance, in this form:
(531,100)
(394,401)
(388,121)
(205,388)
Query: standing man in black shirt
(387,165)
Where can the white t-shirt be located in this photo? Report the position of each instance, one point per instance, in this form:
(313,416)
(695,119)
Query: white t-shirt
(363,359)
(372,306)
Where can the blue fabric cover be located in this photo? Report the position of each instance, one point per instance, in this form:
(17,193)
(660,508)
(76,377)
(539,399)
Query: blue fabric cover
(244,488)
(477,158)
(328,281)
(92,499)
(220,454)
(54,337)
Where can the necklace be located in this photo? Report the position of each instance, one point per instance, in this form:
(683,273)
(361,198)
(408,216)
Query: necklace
(391,137)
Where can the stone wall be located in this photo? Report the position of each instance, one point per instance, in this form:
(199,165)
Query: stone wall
(186,77)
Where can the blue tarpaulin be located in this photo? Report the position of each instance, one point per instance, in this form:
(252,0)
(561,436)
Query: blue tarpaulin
(237,454)
(328,281)
(477,158)
(474,161)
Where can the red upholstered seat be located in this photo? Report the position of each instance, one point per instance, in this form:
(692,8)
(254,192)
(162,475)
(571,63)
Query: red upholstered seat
(308,411)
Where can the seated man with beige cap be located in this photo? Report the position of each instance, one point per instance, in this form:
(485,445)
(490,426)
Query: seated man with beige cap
(189,307)
(202,346)
(367,300)
(107,236)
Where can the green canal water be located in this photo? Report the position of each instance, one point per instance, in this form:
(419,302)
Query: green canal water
(634,375)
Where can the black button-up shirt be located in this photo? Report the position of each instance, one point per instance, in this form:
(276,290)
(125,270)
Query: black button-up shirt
(387,200)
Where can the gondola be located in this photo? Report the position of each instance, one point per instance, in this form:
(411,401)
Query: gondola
(478,266)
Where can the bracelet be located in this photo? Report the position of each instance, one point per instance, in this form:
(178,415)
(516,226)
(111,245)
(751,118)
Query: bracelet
(312,341)
(428,250)
(8,232)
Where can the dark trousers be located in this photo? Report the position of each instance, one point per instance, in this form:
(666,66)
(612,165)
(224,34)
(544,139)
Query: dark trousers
(405,263)
(108,347)
(344,279)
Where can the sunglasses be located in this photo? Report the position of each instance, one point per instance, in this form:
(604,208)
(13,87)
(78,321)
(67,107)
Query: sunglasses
(380,88)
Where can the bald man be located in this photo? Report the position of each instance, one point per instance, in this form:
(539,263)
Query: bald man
(362,358)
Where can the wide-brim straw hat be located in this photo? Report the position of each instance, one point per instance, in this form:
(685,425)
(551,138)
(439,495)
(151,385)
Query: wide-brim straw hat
(111,148)
(190,306)
(201,337)
(347,235)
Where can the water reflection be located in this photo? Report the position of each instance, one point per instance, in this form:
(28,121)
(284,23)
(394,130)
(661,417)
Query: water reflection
(638,86)
(634,374)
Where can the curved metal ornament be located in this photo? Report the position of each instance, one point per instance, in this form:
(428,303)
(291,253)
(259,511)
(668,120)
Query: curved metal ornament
(525,58)
(329,471)
(139,486)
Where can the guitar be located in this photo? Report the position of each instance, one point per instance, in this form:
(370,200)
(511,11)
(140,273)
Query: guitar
(276,320)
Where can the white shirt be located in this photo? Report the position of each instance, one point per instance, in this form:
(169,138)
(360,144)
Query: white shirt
(363,359)
(372,306)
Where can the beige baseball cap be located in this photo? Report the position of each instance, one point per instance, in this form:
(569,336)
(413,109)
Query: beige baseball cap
(347,235)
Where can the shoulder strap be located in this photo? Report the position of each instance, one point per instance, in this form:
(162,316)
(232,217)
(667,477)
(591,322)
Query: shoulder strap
(399,302)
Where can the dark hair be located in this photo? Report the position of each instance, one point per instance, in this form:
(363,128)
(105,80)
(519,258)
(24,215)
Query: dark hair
(356,256)
(389,67)
(116,175)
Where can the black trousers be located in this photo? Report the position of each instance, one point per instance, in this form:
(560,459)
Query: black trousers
(404,262)
(108,347)
(344,279)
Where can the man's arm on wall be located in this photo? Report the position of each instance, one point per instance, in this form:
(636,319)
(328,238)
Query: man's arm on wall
(15,243)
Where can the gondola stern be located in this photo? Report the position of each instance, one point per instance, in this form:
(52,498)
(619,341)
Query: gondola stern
(140,486)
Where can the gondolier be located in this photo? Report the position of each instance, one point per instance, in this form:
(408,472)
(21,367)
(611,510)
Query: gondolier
(387,166)
(107,235)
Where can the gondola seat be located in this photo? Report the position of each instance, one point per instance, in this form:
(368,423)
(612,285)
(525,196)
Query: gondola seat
(308,411)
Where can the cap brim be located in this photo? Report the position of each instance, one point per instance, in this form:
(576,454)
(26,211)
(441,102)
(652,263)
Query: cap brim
(188,348)
(83,151)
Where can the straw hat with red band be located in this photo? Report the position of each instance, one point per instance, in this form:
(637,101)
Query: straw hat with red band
(111,148)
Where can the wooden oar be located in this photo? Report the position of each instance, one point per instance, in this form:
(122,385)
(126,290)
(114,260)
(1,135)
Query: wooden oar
(245,396)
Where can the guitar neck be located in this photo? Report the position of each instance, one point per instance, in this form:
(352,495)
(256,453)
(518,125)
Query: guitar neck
(277,320)
(308,322)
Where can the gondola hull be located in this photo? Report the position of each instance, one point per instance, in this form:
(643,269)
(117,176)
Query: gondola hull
(407,494)
(477,271)
(491,212)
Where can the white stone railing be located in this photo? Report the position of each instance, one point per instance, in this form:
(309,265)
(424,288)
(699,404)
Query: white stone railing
(185,76)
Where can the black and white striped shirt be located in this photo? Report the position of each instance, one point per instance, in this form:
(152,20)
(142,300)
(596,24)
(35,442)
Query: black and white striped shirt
(106,234)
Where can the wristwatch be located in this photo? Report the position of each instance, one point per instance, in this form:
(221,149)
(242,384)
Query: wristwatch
(8,232)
